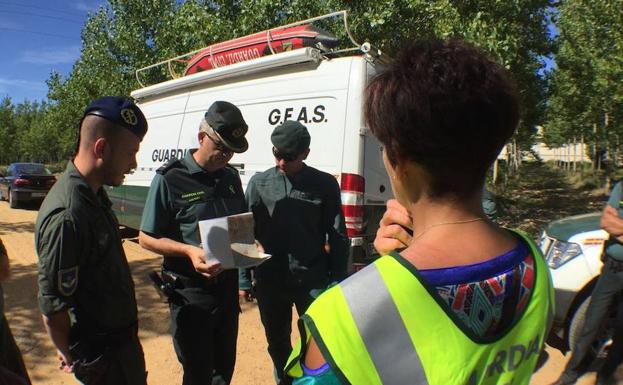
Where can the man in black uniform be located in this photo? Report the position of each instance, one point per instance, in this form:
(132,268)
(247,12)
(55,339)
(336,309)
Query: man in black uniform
(297,212)
(12,368)
(607,291)
(204,310)
(86,292)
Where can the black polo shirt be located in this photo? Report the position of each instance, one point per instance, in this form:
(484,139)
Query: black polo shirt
(294,217)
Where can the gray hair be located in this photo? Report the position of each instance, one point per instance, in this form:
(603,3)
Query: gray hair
(205,127)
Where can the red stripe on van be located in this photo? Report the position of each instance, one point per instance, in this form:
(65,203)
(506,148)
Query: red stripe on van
(353,188)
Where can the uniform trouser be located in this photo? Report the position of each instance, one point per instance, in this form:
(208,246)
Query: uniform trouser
(609,285)
(275,304)
(10,356)
(615,353)
(205,329)
(125,365)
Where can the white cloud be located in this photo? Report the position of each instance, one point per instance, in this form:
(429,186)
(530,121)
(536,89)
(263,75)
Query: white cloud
(84,6)
(9,24)
(51,56)
(6,83)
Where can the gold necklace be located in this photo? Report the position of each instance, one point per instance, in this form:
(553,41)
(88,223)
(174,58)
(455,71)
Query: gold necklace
(447,223)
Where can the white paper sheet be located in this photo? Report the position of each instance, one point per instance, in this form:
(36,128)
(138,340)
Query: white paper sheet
(230,241)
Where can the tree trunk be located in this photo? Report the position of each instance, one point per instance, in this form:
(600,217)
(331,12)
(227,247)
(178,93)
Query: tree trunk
(495,171)
(575,155)
(509,158)
(595,156)
(609,153)
(582,155)
(615,161)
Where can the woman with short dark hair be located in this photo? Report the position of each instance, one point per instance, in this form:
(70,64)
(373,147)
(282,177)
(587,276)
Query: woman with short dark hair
(465,302)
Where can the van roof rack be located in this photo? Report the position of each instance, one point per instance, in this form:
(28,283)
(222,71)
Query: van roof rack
(365,48)
(264,63)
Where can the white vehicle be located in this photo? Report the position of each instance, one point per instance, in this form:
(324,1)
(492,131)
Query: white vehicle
(321,88)
(572,247)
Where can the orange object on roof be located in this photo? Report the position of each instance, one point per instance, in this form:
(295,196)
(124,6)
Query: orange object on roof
(258,45)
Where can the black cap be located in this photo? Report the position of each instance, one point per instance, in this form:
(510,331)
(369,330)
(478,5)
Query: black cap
(226,121)
(120,111)
(291,137)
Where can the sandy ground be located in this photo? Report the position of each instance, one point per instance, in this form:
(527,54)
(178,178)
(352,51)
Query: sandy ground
(253,364)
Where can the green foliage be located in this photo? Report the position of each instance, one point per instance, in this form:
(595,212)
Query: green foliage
(124,35)
(25,134)
(586,95)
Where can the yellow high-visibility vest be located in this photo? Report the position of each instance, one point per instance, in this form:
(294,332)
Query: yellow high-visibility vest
(385,325)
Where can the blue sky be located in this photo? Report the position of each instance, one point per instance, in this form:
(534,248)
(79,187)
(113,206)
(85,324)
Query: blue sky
(41,36)
(36,38)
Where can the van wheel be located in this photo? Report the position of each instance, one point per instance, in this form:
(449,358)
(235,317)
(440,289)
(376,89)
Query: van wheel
(12,200)
(599,348)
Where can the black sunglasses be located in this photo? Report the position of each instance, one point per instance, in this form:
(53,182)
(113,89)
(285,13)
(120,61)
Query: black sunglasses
(283,155)
(220,146)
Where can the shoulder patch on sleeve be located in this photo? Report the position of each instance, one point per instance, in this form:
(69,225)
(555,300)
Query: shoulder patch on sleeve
(68,281)
(169,165)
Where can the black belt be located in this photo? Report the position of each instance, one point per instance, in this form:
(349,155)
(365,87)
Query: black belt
(180,281)
(95,343)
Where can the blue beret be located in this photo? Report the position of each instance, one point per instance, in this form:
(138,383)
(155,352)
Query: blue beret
(120,111)
(291,137)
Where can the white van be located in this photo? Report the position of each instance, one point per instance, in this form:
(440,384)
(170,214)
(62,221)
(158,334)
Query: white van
(572,247)
(321,90)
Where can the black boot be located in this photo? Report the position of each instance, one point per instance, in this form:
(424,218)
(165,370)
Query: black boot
(566,378)
(605,379)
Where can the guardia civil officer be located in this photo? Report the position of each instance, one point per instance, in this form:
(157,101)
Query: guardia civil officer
(297,211)
(204,311)
(12,368)
(464,302)
(86,292)
(606,294)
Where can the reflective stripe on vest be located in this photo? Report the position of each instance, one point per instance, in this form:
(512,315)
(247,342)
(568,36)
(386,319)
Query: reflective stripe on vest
(393,355)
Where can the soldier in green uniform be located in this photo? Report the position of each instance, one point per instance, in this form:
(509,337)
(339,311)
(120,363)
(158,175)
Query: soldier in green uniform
(86,292)
(204,309)
(605,296)
(297,212)
(12,368)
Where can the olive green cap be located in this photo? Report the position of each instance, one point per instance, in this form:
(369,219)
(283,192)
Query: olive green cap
(291,137)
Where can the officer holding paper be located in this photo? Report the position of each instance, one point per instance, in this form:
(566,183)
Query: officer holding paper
(204,314)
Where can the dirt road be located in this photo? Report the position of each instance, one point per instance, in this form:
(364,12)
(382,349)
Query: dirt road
(16,229)
(253,365)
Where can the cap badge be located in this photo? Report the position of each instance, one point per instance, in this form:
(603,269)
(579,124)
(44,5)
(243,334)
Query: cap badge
(129,116)
(238,132)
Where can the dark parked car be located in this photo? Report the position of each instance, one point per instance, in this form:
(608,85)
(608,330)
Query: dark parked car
(25,182)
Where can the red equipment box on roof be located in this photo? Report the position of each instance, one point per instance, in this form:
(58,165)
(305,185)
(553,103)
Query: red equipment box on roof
(258,45)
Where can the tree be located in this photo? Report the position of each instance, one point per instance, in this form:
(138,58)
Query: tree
(124,35)
(7,131)
(587,85)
